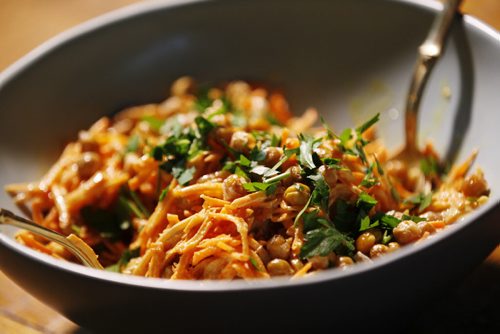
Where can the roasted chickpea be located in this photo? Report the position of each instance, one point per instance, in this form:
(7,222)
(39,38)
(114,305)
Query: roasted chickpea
(332,257)
(406,232)
(88,143)
(367,240)
(238,93)
(218,176)
(426,227)
(297,264)
(263,254)
(344,261)
(378,250)
(273,155)
(232,187)
(88,164)
(297,194)
(393,246)
(319,262)
(279,247)
(475,185)
(294,176)
(242,141)
(123,125)
(329,174)
(224,134)
(182,86)
(278,267)
(168,272)
(360,257)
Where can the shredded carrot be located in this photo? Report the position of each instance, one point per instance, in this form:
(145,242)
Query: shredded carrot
(231,184)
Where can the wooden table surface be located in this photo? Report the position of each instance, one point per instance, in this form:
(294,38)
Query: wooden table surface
(472,308)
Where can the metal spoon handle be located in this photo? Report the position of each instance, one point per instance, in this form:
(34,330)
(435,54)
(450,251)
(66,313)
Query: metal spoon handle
(429,52)
(83,252)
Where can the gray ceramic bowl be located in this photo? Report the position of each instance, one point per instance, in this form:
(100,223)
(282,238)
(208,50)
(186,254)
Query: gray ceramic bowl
(349,58)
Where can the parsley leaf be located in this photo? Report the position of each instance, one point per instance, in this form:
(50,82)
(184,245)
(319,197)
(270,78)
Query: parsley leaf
(240,172)
(321,193)
(181,146)
(345,136)
(254,263)
(268,188)
(204,125)
(369,180)
(244,161)
(302,211)
(430,167)
(154,123)
(332,163)
(111,224)
(386,237)
(345,216)
(185,176)
(306,152)
(203,101)
(416,219)
(263,170)
(273,120)
(275,140)
(357,148)
(389,221)
(321,237)
(329,131)
(239,120)
(365,202)
(379,166)
(132,144)
(422,200)
(127,255)
(365,224)
(137,201)
(257,154)
(354,217)
(291,151)
(164,193)
(365,126)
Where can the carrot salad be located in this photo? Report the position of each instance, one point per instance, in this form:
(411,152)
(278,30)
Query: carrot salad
(225,183)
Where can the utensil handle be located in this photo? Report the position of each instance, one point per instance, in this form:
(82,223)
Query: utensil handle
(429,51)
(434,43)
(9,218)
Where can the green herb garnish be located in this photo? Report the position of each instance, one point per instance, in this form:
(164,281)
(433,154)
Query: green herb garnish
(422,200)
(321,237)
(132,144)
(154,123)
(124,260)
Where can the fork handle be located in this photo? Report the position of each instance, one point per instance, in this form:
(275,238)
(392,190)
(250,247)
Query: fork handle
(86,256)
(429,52)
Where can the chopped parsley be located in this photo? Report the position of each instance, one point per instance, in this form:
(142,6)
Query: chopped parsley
(155,123)
(355,146)
(306,151)
(268,188)
(127,255)
(321,237)
(421,200)
(368,124)
(132,144)
(321,193)
(178,148)
(430,167)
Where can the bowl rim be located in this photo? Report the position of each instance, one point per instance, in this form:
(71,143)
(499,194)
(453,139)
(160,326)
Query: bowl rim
(143,8)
